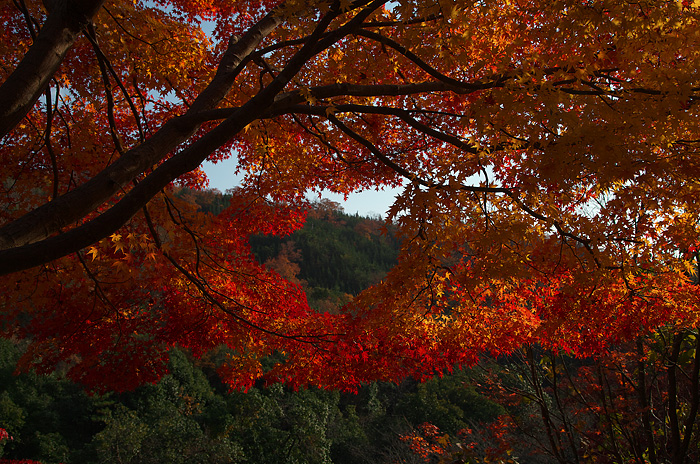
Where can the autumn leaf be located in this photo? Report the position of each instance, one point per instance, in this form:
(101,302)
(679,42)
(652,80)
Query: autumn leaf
(549,170)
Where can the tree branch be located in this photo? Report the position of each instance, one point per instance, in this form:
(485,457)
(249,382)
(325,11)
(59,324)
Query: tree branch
(24,86)
(71,207)
(43,221)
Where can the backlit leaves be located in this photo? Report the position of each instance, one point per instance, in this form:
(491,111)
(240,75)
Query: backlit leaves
(547,153)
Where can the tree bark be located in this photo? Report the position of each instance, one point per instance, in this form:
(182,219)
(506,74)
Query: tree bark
(23,87)
(70,208)
(24,242)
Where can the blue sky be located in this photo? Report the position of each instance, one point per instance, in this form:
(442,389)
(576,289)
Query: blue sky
(370,203)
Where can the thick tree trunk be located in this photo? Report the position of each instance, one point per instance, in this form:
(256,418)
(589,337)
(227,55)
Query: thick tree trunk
(24,86)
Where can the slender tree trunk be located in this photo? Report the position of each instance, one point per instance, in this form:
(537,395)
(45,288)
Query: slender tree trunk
(689,423)
(675,444)
(644,402)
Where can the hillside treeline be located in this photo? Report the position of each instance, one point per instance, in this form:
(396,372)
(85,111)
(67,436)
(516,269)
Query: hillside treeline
(334,256)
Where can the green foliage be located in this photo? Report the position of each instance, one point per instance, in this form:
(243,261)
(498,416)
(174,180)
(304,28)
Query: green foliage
(12,417)
(338,252)
(381,412)
(158,434)
(183,419)
(164,422)
(451,403)
(276,425)
(50,418)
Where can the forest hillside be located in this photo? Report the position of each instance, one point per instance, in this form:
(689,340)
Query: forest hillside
(191,417)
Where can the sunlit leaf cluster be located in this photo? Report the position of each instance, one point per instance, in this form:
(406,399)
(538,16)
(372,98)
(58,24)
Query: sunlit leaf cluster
(547,153)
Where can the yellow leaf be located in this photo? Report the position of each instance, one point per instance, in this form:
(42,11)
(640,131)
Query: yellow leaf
(94,252)
(331,110)
(308,96)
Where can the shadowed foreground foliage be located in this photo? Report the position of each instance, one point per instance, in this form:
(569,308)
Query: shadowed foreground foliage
(189,417)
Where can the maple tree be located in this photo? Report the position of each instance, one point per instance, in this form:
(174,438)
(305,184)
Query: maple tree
(547,152)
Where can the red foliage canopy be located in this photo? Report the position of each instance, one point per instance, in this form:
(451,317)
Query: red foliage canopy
(548,153)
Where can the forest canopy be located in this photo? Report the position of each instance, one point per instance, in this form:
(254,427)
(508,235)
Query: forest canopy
(547,153)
